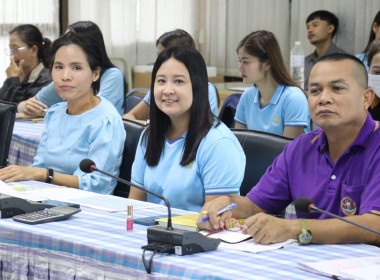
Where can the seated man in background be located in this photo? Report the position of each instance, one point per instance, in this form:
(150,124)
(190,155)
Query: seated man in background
(321,28)
(337,166)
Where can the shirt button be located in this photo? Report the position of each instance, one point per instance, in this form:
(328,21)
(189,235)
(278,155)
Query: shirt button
(333,177)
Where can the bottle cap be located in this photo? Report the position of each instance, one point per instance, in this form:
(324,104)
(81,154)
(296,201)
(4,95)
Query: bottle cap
(130,210)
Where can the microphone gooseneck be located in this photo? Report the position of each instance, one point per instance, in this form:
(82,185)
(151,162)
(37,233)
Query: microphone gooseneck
(88,166)
(306,205)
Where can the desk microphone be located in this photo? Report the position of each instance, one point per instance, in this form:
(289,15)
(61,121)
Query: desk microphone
(306,205)
(167,240)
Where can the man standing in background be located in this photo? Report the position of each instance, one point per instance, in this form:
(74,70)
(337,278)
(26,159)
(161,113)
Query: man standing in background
(321,28)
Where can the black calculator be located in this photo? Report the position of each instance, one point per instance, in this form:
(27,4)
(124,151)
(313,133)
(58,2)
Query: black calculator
(48,215)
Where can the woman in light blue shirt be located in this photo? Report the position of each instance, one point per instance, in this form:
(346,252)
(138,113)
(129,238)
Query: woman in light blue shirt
(275,103)
(185,154)
(85,126)
(112,83)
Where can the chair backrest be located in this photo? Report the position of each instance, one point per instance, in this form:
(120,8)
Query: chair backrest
(133,131)
(7,120)
(228,109)
(260,149)
(131,99)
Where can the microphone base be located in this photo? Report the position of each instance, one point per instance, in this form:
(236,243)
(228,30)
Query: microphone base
(178,241)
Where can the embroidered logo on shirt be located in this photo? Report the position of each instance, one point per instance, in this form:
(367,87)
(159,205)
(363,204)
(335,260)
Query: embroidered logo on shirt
(348,206)
(190,165)
(276,119)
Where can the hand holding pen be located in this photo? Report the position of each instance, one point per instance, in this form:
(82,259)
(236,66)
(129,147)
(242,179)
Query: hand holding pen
(225,209)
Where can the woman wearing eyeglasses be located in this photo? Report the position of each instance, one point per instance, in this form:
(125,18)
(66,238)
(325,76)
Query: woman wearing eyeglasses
(28,71)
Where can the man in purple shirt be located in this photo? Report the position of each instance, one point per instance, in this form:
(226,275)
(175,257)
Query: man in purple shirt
(336,166)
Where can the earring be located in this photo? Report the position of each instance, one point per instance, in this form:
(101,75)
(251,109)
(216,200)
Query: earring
(94,81)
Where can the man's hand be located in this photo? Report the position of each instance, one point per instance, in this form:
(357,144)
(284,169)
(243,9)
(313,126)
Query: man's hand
(211,208)
(266,229)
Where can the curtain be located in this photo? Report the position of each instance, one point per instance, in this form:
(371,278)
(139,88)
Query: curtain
(15,12)
(131,27)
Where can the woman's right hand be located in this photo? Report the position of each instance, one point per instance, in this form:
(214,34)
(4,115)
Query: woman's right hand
(32,107)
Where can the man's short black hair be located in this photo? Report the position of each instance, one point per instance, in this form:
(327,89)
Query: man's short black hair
(360,72)
(326,16)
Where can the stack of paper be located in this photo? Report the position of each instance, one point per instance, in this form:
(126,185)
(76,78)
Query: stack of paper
(367,268)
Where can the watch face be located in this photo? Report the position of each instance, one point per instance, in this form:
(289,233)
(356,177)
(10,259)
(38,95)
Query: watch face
(304,237)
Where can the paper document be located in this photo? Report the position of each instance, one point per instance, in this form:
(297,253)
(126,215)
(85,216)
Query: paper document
(254,247)
(352,268)
(227,236)
(17,192)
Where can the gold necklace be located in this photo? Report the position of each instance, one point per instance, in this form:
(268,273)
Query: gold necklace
(85,107)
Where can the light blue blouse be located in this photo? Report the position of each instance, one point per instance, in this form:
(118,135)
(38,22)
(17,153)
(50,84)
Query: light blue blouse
(97,134)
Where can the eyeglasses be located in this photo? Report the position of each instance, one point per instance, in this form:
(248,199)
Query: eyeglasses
(11,51)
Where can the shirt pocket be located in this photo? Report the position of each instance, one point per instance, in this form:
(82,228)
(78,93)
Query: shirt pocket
(350,199)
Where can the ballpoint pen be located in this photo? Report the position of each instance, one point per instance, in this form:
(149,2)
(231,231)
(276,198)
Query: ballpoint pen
(229,207)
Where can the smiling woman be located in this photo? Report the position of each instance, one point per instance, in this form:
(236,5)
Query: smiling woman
(29,62)
(185,154)
(85,126)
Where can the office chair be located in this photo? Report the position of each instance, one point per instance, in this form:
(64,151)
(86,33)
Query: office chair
(133,131)
(227,112)
(260,149)
(131,99)
(7,120)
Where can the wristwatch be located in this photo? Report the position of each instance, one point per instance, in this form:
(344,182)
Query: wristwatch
(304,237)
(50,175)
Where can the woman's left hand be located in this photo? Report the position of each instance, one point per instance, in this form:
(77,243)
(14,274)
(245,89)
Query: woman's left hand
(20,173)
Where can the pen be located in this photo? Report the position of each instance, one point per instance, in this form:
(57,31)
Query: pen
(229,207)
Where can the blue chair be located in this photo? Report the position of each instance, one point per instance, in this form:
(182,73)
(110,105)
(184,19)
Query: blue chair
(133,131)
(131,99)
(260,148)
(227,112)
(7,120)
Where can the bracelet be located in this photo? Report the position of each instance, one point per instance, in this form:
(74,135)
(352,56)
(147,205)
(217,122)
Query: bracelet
(50,175)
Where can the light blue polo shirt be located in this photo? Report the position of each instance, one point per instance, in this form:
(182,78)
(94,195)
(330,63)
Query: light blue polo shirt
(217,169)
(363,58)
(211,97)
(288,107)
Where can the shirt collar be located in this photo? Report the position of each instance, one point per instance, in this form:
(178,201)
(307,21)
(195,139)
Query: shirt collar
(35,72)
(361,140)
(331,49)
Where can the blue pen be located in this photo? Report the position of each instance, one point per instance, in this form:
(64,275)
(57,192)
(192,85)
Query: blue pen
(229,207)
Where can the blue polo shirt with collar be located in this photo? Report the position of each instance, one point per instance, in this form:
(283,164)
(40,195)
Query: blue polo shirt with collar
(350,186)
(288,107)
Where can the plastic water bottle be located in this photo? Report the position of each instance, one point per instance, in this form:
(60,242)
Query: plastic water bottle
(297,63)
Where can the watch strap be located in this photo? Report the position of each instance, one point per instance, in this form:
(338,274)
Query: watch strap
(50,175)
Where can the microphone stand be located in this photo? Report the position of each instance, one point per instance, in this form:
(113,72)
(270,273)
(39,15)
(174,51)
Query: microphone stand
(169,225)
(160,239)
(316,209)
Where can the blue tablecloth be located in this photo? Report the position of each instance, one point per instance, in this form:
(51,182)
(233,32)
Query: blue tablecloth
(94,244)
(25,139)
